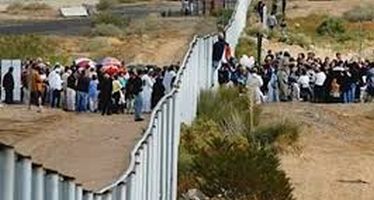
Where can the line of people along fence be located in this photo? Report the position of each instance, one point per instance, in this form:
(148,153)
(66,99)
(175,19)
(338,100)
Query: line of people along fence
(152,173)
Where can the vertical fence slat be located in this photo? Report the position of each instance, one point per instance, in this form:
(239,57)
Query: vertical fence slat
(37,182)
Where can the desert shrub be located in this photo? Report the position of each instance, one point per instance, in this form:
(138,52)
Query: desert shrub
(283,133)
(18,7)
(217,156)
(233,115)
(223,16)
(107,17)
(229,165)
(331,27)
(224,167)
(297,39)
(246,46)
(104,5)
(107,30)
(363,12)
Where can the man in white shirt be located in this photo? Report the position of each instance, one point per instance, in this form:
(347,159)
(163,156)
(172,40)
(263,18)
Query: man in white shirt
(319,90)
(55,85)
(305,90)
(168,79)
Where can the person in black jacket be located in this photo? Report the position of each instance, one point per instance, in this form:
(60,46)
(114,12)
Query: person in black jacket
(106,95)
(8,85)
(218,51)
(137,89)
(158,91)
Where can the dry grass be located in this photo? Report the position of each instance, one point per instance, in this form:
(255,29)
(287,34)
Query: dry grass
(22,8)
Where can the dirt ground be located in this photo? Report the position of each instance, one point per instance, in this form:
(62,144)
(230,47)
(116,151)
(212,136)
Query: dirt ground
(336,156)
(93,148)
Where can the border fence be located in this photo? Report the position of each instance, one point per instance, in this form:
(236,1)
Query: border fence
(152,173)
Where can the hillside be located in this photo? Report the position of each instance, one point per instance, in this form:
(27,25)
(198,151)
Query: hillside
(334,156)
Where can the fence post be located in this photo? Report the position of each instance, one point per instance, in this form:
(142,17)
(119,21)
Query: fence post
(52,185)
(121,192)
(175,146)
(78,192)
(7,172)
(87,195)
(37,182)
(23,178)
(108,195)
(70,188)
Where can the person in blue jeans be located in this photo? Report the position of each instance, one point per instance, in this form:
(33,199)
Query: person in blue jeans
(137,89)
(82,91)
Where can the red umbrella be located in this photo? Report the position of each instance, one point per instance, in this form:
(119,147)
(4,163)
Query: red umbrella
(84,63)
(110,61)
(111,70)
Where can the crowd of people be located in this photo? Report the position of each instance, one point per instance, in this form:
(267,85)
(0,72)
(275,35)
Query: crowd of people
(132,90)
(282,77)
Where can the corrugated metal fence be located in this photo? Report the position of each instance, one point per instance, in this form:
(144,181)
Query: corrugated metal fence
(152,173)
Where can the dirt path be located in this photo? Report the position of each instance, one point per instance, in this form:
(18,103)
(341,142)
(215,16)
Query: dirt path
(92,148)
(337,152)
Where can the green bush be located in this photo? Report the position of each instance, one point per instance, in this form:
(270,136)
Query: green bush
(104,5)
(217,156)
(363,12)
(233,115)
(225,168)
(107,30)
(331,27)
(223,16)
(284,133)
(246,46)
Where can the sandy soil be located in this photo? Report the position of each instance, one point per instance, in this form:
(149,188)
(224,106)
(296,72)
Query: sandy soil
(92,148)
(337,153)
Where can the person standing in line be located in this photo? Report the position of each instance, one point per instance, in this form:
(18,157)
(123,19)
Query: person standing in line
(129,95)
(158,91)
(8,85)
(168,78)
(55,85)
(64,77)
(304,82)
(218,51)
(319,91)
(147,92)
(93,93)
(82,91)
(36,88)
(71,93)
(116,94)
(138,88)
(106,95)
